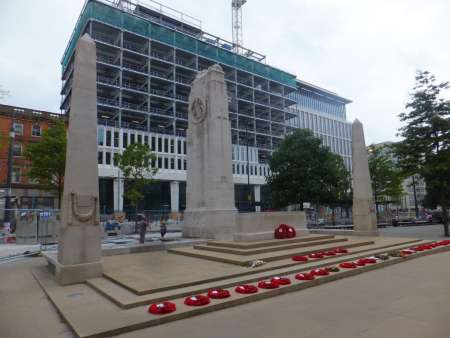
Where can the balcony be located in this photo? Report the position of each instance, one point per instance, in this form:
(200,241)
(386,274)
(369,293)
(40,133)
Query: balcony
(105,38)
(107,101)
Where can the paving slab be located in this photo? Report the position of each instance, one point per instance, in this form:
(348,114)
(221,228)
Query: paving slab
(273,247)
(127,299)
(91,315)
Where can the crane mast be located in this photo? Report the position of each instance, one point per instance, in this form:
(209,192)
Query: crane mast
(236,9)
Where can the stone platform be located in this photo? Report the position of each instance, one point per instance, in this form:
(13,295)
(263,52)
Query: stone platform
(118,301)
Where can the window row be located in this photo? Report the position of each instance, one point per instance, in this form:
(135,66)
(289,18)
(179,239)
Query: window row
(311,100)
(121,140)
(36,129)
(324,125)
(254,170)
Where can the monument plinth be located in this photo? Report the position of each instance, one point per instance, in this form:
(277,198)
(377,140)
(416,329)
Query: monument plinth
(210,209)
(364,216)
(80,233)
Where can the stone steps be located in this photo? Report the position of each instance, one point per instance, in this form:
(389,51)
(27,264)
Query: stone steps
(272,248)
(267,256)
(90,314)
(127,299)
(268,243)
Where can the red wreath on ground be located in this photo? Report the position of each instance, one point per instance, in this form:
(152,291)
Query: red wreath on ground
(330,253)
(267,285)
(407,252)
(281,280)
(348,265)
(444,242)
(317,255)
(218,294)
(319,272)
(300,258)
(366,260)
(341,250)
(284,231)
(162,308)
(246,289)
(197,300)
(304,276)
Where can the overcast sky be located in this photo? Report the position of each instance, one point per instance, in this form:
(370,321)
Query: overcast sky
(365,50)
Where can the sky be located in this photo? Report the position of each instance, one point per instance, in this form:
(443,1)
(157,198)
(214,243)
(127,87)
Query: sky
(365,50)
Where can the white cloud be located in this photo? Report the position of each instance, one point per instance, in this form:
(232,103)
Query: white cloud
(366,51)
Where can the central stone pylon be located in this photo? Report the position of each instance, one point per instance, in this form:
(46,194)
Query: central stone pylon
(210,208)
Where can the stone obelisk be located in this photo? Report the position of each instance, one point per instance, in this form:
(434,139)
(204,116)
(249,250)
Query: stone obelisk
(210,209)
(364,217)
(80,233)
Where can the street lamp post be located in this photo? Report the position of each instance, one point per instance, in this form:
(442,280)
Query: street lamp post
(249,195)
(7,214)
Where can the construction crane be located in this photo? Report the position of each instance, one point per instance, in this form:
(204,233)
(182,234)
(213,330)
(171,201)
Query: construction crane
(236,9)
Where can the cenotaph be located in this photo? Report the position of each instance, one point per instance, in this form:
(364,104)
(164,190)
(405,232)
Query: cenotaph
(210,208)
(364,216)
(80,233)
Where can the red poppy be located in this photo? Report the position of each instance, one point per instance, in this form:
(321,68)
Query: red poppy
(291,232)
(319,272)
(267,285)
(329,253)
(162,308)
(246,288)
(360,262)
(368,260)
(316,255)
(341,250)
(444,242)
(218,293)
(304,276)
(406,252)
(281,280)
(284,231)
(300,258)
(197,300)
(348,265)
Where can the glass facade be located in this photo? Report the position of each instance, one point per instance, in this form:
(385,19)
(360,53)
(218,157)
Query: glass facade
(144,72)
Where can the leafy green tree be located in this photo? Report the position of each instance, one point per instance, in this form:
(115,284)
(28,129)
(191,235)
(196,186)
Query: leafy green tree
(48,159)
(303,170)
(425,148)
(386,177)
(136,164)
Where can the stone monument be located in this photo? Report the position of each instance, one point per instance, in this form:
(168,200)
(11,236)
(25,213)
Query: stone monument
(364,217)
(210,209)
(80,233)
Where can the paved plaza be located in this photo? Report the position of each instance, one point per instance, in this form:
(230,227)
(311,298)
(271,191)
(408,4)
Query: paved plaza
(405,300)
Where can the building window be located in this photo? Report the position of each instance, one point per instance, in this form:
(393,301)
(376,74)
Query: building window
(166,163)
(100,136)
(159,144)
(132,139)
(108,158)
(153,143)
(108,138)
(139,139)
(17,149)
(100,157)
(125,140)
(18,128)
(116,139)
(146,140)
(16,175)
(185,164)
(179,164)
(159,162)
(36,130)
(184,147)
(172,146)
(166,145)
(172,163)
(179,147)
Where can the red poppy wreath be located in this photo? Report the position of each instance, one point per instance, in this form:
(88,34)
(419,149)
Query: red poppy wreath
(197,300)
(246,289)
(218,294)
(162,308)
(281,280)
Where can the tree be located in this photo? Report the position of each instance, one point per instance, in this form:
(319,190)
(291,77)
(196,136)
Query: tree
(385,176)
(303,170)
(425,148)
(136,164)
(48,159)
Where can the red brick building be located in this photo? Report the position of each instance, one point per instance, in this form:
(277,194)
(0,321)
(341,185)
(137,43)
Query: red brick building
(28,127)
